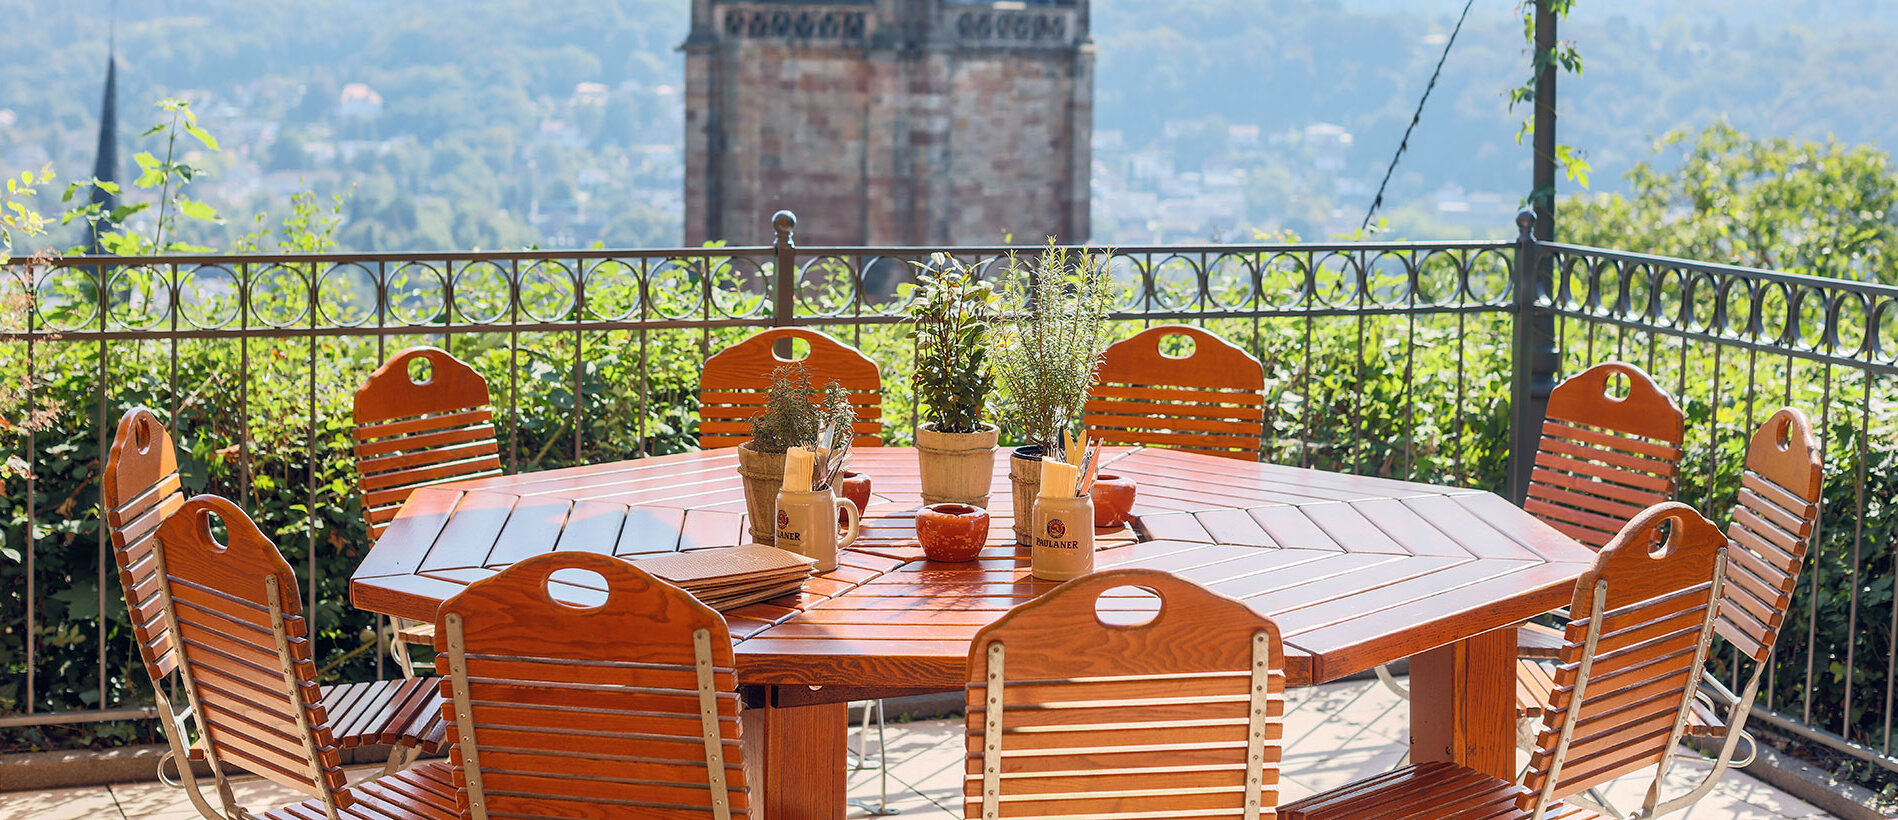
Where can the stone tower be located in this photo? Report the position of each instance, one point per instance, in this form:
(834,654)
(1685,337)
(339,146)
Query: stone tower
(888,122)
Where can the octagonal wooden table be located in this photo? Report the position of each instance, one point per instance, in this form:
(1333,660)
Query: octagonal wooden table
(1357,572)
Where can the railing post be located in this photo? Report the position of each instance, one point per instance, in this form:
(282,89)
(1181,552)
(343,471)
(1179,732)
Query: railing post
(1533,355)
(784,278)
(784,296)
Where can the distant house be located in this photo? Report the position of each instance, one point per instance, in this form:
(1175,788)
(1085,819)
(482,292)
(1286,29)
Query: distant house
(358,101)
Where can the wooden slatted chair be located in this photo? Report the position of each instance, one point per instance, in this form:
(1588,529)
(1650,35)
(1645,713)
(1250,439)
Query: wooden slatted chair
(1778,507)
(414,431)
(1603,459)
(561,711)
(142,489)
(242,654)
(1211,400)
(1643,619)
(1072,716)
(732,385)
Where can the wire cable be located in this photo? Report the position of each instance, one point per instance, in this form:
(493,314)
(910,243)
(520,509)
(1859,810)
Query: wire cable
(1414,117)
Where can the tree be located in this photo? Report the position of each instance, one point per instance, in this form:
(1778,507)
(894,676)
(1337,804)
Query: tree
(1819,208)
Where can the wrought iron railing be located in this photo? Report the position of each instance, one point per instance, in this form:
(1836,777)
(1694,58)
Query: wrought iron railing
(1419,360)
(1734,344)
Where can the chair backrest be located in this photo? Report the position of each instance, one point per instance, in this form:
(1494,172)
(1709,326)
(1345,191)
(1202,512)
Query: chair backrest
(733,384)
(624,707)
(142,489)
(245,651)
(413,432)
(1211,400)
(1604,458)
(1641,621)
(1071,716)
(1772,524)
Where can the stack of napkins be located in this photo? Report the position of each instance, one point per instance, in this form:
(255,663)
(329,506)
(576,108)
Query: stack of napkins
(730,577)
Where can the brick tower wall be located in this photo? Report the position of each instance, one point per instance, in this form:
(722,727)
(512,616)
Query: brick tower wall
(888,122)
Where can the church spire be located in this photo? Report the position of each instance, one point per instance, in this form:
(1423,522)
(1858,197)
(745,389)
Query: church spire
(106,166)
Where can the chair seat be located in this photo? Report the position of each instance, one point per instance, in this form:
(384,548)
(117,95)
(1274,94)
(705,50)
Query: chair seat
(1427,791)
(422,634)
(426,791)
(1535,682)
(388,712)
(1538,641)
(381,713)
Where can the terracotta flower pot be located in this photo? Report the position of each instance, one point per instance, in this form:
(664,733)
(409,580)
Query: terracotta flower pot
(956,468)
(952,532)
(856,487)
(1113,500)
(764,476)
(1024,472)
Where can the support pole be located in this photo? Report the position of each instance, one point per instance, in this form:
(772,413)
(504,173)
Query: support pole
(1543,197)
(1535,357)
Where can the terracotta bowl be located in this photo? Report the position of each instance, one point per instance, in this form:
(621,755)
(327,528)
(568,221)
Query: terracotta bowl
(952,532)
(1113,500)
(856,487)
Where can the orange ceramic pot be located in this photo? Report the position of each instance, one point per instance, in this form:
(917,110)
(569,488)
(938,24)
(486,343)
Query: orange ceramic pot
(952,532)
(856,487)
(1113,500)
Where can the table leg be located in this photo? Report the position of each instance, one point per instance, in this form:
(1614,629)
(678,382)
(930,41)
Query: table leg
(1463,704)
(795,760)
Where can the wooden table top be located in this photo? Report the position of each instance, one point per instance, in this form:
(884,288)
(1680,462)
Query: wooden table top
(1357,571)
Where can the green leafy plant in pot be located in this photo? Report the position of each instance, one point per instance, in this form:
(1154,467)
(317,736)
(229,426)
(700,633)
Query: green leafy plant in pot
(1047,354)
(793,413)
(950,314)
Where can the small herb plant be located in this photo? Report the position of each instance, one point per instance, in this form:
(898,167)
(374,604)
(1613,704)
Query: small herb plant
(1051,343)
(949,320)
(794,412)
(835,414)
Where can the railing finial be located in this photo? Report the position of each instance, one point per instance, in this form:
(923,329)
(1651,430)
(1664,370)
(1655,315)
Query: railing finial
(1525,223)
(784,222)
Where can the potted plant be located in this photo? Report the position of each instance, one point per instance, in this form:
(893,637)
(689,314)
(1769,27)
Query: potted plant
(1047,354)
(793,414)
(949,316)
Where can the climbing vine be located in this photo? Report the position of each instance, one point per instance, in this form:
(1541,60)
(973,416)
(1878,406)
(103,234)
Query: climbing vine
(1564,56)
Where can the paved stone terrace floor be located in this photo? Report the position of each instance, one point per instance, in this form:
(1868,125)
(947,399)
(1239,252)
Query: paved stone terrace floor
(1335,734)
